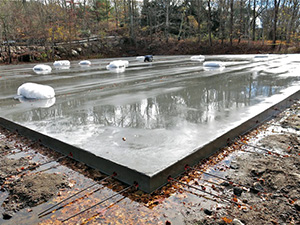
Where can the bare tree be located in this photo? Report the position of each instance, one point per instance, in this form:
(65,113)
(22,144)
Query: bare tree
(231,22)
(6,23)
(275,18)
(209,22)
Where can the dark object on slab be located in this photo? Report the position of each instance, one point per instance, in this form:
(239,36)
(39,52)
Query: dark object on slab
(148,58)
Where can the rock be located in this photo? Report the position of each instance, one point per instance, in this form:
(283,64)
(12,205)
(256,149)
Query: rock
(284,216)
(296,176)
(237,191)
(168,222)
(276,195)
(208,212)
(7,215)
(94,48)
(291,50)
(13,49)
(220,222)
(74,52)
(60,48)
(85,45)
(297,205)
(257,171)
(234,165)
(57,57)
(41,48)
(79,50)
(225,184)
(284,190)
(237,222)
(257,188)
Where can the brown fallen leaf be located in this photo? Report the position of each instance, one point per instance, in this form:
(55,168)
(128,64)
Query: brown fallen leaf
(226,220)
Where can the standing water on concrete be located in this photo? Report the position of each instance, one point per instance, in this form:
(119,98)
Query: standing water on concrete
(152,114)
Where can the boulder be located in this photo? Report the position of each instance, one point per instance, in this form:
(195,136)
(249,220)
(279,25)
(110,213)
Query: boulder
(297,205)
(74,52)
(237,222)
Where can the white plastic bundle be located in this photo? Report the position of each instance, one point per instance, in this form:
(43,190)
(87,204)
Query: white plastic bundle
(42,69)
(62,63)
(215,64)
(199,58)
(36,91)
(85,63)
(140,58)
(117,64)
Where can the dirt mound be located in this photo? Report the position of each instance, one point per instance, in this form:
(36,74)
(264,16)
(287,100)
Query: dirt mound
(286,143)
(293,121)
(32,190)
(8,167)
(278,179)
(274,180)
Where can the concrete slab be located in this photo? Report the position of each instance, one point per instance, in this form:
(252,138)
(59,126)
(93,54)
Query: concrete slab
(148,122)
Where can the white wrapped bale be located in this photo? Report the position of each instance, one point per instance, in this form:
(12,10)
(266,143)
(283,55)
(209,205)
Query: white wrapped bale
(36,91)
(140,58)
(214,64)
(85,63)
(62,64)
(117,64)
(42,69)
(199,58)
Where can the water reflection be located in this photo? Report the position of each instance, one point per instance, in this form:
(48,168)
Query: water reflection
(202,100)
(62,67)
(37,103)
(206,68)
(116,70)
(42,72)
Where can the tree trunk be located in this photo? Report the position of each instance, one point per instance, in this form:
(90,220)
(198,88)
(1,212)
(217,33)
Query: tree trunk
(292,21)
(167,21)
(6,38)
(117,13)
(198,19)
(209,22)
(222,21)
(276,7)
(241,20)
(254,20)
(131,26)
(125,12)
(231,21)
(181,25)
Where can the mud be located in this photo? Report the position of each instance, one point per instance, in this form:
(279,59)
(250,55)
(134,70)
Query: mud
(30,191)
(25,191)
(274,181)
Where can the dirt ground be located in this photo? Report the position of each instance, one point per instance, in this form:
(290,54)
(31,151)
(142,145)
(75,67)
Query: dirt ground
(263,183)
(270,176)
(24,191)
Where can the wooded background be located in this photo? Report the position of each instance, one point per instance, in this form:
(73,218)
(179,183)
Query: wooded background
(42,22)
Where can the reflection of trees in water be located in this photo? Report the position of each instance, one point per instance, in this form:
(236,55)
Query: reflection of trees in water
(202,101)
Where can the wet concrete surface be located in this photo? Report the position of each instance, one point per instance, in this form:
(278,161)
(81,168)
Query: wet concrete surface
(153,114)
